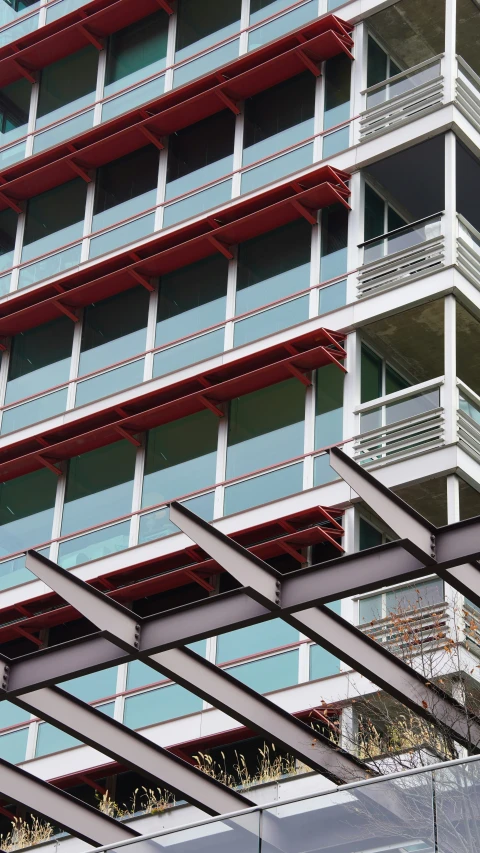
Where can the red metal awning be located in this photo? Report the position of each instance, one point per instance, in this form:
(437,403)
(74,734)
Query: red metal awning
(212,93)
(241,220)
(207,389)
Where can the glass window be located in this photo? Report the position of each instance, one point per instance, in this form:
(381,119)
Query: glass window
(415,596)
(374,214)
(51,739)
(376,63)
(159,705)
(67,85)
(371,375)
(39,359)
(10,714)
(95,685)
(273,265)
(329,406)
(337,90)
(370,609)
(13,746)
(265,427)
(8,231)
(139,674)
(191,299)
(200,153)
(136,51)
(322,663)
(200,25)
(393,381)
(26,510)
(99,486)
(254,639)
(125,187)
(180,458)
(279,117)
(114,329)
(14,110)
(334,242)
(267,674)
(369,535)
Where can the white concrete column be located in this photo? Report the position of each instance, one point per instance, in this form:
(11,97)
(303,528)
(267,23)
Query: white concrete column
(450,60)
(349,730)
(355,233)
(450,217)
(449,391)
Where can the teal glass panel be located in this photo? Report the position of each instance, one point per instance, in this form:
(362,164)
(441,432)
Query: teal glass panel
(267,674)
(12,34)
(26,511)
(369,535)
(141,675)
(136,52)
(329,406)
(114,329)
(180,458)
(35,411)
(94,545)
(279,167)
(67,86)
(121,236)
(197,203)
(265,427)
(40,359)
(208,61)
(99,486)
(337,141)
(377,63)
(254,639)
(333,264)
(8,230)
(159,705)
(62,131)
(5,284)
(334,4)
(322,473)
(13,746)
(322,663)
(157,524)
(200,26)
(14,573)
(200,153)
(108,708)
(53,264)
(371,375)
(268,322)
(370,609)
(283,24)
(332,297)
(51,739)
(133,98)
(187,183)
(10,715)
(272,266)
(190,352)
(96,685)
(393,381)
(261,9)
(338,72)
(57,10)
(11,155)
(191,299)
(14,109)
(267,487)
(110,382)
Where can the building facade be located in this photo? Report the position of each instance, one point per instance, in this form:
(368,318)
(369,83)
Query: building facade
(233,235)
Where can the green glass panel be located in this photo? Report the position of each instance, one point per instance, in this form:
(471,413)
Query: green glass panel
(14,109)
(137,50)
(338,72)
(96,685)
(125,187)
(200,153)
(34,411)
(334,242)
(94,545)
(279,117)
(114,329)
(52,264)
(371,375)
(54,218)
(64,130)
(10,715)
(99,486)
(159,705)
(272,320)
(199,25)
(394,219)
(415,596)
(260,490)
(141,675)
(108,708)
(369,535)
(131,231)
(132,98)
(370,609)
(267,674)
(157,524)
(191,299)
(180,458)
(51,739)
(26,511)
(110,382)
(265,427)
(207,61)
(190,352)
(274,265)
(274,169)
(322,663)
(13,746)
(283,24)
(329,406)
(254,639)
(393,381)
(201,201)
(322,472)
(333,297)
(374,214)
(376,63)
(40,359)
(67,85)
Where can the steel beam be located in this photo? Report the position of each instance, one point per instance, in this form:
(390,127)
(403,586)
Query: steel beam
(83,821)
(127,747)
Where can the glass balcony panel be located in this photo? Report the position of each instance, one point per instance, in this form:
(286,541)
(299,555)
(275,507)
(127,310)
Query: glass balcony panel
(370,420)
(157,524)
(127,376)
(267,487)
(57,10)
(458,807)
(469,237)
(191,299)
(62,131)
(11,34)
(95,685)
(322,663)
(209,61)
(278,141)
(26,513)
(334,4)
(322,472)
(5,282)
(337,141)
(50,740)
(35,411)
(336,115)
(13,746)
(405,84)
(238,835)
(10,715)
(12,154)
(267,674)
(13,573)
(113,330)
(412,407)
(67,86)
(156,706)
(8,231)
(332,297)
(136,52)
(261,9)
(119,212)
(121,236)
(272,320)
(329,406)
(141,675)
(254,639)
(39,359)
(133,98)
(277,168)
(414,597)
(199,177)
(199,28)
(94,545)
(468,406)
(198,203)
(181,355)
(283,24)
(14,110)
(370,609)
(333,264)
(402,240)
(51,265)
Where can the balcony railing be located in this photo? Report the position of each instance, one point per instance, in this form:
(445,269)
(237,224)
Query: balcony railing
(416,91)
(468,420)
(467,92)
(468,250)
(412,632)
(401,425)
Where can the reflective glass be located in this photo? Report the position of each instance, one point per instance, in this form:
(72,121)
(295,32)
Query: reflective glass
(274,265)
(67,85)
(265,427)
(94,545)
(5,284)
(267,674)
(264,488)
(11,34)
(277,168)
(57,10)
(14,110)
(278,27)
(238,835)
(371,375)
(268,322)
(322,473)
(334,4)
(159,705)
(337,141)
(334,242)
(10,715)
(322,663)
(261,9)
(65,130)
(96,685)
(51,739)
(13,746)
(113,330)
(99,486)
(136,52)
(254,639)
(8,230)
(141,675)
(332,297)
(124,234)
(370,536)
(53,264)
(190,352)
(377,63)
(415,596)
(200,153)
(197,203)
(338,71)
(180,457)
(13,572)
(12,154)
(131,99)
(374,214)
(26,511)
(110,382)
(201,26)
(191,299)
(457,808)
(157,524)
(370,609)
(329,406)
(412,407)
(467,406)
(207,61)
(125,187)
(40,359)
(35,411)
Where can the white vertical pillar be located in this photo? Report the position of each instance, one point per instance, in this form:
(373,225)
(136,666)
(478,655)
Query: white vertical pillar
(170,57)
(244,22)
(355,233)
(101,69)
(58,512)
(449,391)
(359,77)
(450,218)
(349,730)
(137,492)
(450,60)
(75,360)
(238,151)
(231,298)
(151,333)
(351,387)
(220,473)
(315,260)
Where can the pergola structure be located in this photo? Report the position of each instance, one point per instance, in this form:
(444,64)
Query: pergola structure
(300,598)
